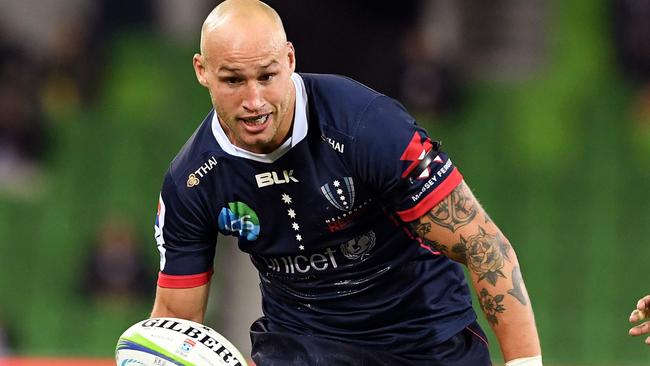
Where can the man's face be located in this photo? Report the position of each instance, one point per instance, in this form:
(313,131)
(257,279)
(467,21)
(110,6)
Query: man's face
(251,88)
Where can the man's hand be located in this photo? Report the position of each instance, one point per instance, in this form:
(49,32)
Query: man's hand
(641,312)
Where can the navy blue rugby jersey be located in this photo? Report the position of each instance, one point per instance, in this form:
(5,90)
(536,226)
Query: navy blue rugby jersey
(324,220)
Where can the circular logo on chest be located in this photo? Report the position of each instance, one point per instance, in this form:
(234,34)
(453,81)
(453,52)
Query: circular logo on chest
(359,247)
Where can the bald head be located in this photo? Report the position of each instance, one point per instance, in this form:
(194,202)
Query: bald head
(234,21)
(247,65)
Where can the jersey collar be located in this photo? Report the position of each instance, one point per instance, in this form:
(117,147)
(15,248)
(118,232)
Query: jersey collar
(298,134)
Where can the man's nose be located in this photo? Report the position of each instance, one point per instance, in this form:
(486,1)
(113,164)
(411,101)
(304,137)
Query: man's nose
(253,100)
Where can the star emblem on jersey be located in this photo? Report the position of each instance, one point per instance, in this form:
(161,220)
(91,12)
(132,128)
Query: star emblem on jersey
(344,200)
(286,199)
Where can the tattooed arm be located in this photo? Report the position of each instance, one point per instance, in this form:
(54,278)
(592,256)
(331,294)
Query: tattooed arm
(459,228)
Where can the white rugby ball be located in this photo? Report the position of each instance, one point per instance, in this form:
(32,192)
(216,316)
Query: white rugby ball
(175,342)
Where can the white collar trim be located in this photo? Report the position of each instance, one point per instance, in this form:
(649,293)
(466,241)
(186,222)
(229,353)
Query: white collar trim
(300,127)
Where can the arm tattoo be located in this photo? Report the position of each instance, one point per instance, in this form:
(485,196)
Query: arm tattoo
(461,250)
(423,228)
(456,210)
(517,283)
(485,255)
(491,305)
(434,245)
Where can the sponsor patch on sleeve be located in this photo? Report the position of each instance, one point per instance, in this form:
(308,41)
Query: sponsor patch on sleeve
(419,154)
(431,174)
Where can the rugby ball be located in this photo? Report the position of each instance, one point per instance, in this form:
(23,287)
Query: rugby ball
(175,342)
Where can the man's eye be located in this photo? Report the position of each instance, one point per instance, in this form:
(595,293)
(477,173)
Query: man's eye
(267,77)
(230,79)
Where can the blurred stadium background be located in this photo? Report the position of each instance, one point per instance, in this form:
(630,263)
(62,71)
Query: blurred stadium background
(543,104)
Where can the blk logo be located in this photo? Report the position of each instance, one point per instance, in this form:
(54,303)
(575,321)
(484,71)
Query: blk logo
(271,178)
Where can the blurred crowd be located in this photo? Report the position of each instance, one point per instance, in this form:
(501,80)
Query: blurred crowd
(116,269)
(22,124)
(7,338)
(632,42)
(52,65)
(420,52)
(52,58)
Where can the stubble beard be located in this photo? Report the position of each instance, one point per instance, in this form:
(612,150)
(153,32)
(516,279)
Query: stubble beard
(231,126)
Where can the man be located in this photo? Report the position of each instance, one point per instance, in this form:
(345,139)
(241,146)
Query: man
(641,312)
(352,215)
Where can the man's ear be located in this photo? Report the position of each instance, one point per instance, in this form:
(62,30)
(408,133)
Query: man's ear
(292,56)
(199,69)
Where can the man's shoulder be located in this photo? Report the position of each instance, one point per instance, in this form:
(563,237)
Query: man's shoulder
(337,102)
(200,151)
(338,88)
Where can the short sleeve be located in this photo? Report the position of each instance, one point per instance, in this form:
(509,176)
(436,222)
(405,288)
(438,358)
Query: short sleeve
(398,160)
(184,237)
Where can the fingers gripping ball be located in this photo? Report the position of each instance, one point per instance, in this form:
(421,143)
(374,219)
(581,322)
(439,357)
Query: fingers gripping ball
(175,342)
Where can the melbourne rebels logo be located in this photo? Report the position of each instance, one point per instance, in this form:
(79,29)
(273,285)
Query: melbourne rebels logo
(340,195)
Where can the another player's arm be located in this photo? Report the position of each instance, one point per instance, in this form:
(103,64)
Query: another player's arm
(459,228)
(184,303)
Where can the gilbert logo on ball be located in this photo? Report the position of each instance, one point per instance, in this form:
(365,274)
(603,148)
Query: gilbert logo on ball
(175,342)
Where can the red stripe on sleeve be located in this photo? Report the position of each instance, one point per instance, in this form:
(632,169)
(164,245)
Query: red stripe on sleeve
(184,281)
(433,198)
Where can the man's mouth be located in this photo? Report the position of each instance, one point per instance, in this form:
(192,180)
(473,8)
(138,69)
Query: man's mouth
(256,120)
(256,124)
